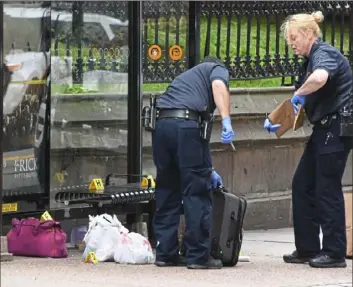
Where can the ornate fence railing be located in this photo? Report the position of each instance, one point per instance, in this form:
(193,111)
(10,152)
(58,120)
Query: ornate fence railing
(244,34)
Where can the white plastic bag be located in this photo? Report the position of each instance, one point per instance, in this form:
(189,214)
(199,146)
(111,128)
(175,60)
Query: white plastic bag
(133,248)
(103,236)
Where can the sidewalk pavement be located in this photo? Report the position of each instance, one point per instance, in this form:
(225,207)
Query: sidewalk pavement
(265,269)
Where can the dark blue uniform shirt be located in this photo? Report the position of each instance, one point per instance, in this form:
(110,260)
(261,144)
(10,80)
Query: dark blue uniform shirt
(193,89)
(338,89)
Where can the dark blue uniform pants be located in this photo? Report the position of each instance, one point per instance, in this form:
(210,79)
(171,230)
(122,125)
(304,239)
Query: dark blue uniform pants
(184,170)
(317,195)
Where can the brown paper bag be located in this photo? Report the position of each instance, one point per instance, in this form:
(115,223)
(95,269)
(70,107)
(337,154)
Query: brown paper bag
(285,116)
(299,119)
(349,228)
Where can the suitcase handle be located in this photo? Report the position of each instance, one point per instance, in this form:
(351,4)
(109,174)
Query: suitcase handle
(221,188)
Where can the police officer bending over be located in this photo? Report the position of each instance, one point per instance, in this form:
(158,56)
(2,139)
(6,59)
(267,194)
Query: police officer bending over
(181,154)
(326,93)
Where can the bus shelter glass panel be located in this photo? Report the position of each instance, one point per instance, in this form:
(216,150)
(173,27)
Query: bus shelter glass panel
(26,56)
(165,27)
(89,83)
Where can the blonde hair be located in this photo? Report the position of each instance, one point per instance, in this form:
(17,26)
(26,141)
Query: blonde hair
(303,21)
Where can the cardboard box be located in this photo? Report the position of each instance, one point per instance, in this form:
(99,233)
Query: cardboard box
(285,116)
(349,228)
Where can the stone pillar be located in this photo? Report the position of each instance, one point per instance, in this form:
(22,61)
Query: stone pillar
(5,255)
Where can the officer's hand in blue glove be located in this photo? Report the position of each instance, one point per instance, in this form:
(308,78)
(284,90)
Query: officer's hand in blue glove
(216,180)
(297,100)
(227,131)
(270,127)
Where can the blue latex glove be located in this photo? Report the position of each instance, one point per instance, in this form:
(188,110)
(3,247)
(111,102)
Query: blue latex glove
(270,127)
(216,180)
(228,134)
(297,100)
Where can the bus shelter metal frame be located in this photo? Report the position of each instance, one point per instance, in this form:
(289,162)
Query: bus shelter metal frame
(135,76)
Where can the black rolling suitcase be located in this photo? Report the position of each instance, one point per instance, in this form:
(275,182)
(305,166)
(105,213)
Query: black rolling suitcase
(228,212)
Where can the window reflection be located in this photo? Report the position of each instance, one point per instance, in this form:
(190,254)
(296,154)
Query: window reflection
(26,55)
(89,56)
(67,62)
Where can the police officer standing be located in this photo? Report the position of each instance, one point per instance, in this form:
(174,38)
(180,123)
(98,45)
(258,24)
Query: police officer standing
(326,93)
(181,154)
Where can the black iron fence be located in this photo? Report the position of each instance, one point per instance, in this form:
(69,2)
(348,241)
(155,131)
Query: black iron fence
(244,34)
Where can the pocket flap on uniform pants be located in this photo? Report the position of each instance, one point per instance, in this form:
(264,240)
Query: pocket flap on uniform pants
(190,146)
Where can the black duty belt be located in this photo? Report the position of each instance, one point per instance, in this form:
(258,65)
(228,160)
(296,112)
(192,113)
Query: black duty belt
(178,114)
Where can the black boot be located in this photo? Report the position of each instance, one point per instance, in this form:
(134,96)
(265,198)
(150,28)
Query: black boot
(181,261)
(296,258)
(211,264)
(325,261)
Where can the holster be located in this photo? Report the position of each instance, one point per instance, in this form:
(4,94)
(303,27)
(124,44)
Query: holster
(346,120)
(149,114)
(206,126)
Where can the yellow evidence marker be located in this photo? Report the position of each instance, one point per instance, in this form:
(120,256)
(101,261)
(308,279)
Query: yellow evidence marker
(144,182)
(45,216)
(96,185)
(91,258)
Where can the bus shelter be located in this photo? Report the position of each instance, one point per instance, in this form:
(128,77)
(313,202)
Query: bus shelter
(65,120)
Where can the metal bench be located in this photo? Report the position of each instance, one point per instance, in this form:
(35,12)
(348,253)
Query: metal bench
(115,197)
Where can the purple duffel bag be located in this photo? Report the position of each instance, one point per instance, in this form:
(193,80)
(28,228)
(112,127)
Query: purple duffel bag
(30,237)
